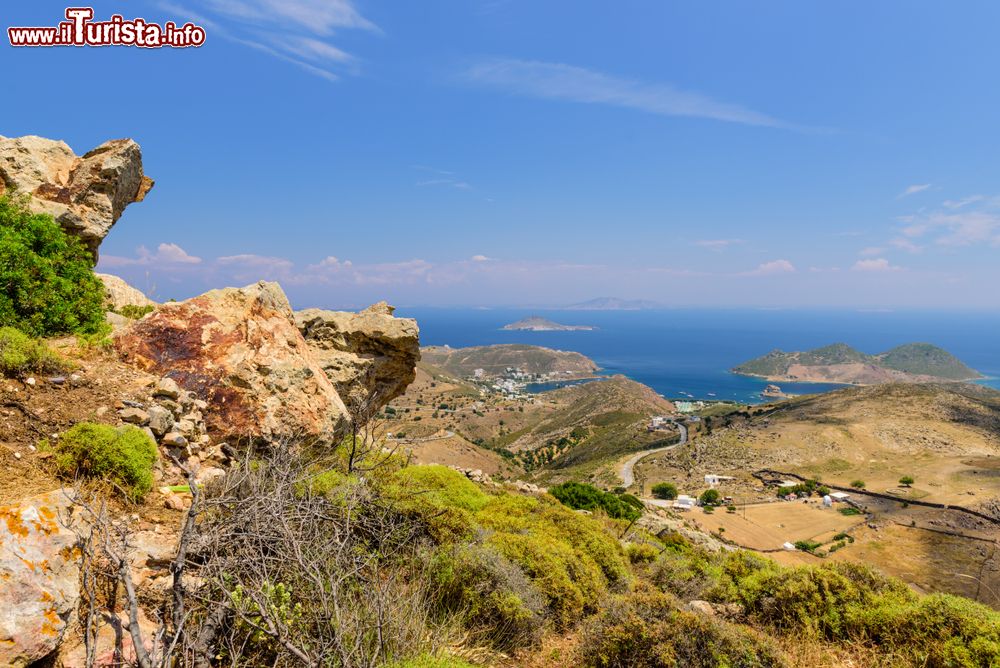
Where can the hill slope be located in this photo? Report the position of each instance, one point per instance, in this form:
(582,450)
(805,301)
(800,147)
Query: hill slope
(576,431)
(537,324)
(840,363)
(493,360)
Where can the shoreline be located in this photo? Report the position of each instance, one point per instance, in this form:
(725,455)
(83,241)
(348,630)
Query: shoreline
(785,379)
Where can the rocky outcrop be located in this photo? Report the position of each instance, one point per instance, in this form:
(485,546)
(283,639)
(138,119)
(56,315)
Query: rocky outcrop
(366,354)
(39,573)
(87,194)
(239,351)
(118,293)
(174,418)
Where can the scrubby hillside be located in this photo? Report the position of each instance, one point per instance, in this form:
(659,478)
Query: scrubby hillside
(575,431)
(494,360)
(839,363)
(909,444)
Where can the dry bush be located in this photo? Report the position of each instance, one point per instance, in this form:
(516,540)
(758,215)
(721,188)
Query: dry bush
(307,578)
(271,571)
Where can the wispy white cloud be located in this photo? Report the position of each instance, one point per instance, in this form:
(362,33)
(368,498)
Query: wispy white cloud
(480,258)
(965,201)
(972,221)
(559,81)
(167,254)
(452,183)
(874,265)
(441,177)
(718,244)
(773,268)
(295,31)
(318,16)
(906,245)
(956,227)
(913,190)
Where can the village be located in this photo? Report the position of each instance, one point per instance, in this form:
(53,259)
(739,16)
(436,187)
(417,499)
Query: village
(512,382)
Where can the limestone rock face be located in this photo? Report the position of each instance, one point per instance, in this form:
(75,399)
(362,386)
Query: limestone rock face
(239,350)
(118,293)
(366,354)
(39,573)
(86,194)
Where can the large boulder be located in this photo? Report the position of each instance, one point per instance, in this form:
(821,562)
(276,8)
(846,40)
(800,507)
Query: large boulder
(39,574)
(239,350)
(85,194)
(118,293)
(369,356)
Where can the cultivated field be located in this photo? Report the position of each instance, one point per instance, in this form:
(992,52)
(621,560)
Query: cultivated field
(768,526)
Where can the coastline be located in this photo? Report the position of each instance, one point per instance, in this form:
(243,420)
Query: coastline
(829,381)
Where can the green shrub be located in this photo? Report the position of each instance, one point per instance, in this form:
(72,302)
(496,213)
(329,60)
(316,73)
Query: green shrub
(487,592)
(807,545)
(837,602)
(632,500)
(858,484)
(802,489)
(665,490)
(124,456)
(646,629)
(567,557)
(854,604)
(47,283)
(848,511)
(444,498)
(906,480)
(938,630)
(134,311)
(21,354)
(582,496)
(710,497)
(641,553)
(686,571)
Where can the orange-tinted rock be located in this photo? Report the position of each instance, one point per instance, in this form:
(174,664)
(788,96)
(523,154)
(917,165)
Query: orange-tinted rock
(39,574)
(239,350)
(86,194)
(366,354)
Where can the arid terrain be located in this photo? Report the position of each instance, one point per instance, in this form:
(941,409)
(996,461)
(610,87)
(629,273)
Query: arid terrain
(840,363)
(579,430)
(945,436)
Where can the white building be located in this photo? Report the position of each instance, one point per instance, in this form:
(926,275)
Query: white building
(713,479)
(684,502)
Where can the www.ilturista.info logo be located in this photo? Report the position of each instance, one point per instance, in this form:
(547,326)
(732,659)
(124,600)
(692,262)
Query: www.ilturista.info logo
(81,30)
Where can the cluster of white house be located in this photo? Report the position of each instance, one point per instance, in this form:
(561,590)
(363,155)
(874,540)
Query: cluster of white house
(685,502)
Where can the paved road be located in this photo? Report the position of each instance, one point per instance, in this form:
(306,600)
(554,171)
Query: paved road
(627,470)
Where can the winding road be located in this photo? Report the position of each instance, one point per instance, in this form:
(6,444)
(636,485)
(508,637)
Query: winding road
(627,473)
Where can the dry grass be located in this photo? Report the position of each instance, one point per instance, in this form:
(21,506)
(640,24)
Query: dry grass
(769,526)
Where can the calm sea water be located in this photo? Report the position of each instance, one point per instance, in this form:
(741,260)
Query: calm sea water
(691,351)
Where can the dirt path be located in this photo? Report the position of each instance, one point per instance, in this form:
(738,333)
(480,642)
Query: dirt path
(627,471)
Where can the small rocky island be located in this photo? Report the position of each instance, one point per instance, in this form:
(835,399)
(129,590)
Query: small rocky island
(537,324)
(840,363)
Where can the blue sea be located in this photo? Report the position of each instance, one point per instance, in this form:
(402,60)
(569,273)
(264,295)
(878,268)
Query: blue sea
(687,353)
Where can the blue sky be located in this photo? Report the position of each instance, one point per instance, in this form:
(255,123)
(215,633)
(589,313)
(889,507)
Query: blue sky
(515,152)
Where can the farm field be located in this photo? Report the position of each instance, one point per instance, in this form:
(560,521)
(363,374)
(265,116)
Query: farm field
(768,526)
